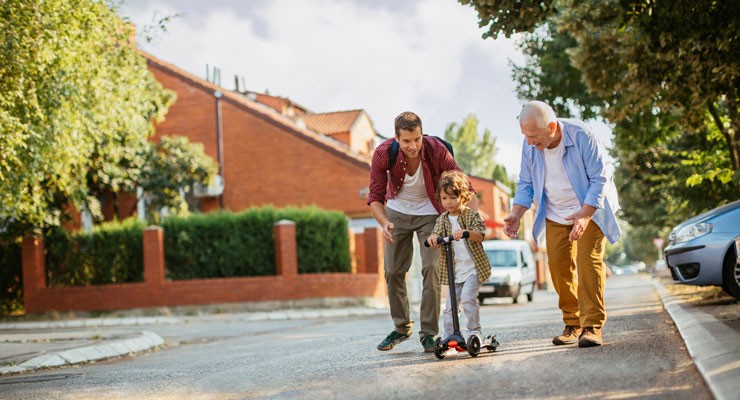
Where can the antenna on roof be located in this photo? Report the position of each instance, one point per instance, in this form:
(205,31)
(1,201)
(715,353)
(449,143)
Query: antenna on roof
(240,87)
(213,75)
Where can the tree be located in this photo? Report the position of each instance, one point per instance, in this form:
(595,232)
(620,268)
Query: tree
(77,104)
(674,57)
(172,167)
(549,75)
(475,154)
(499,174)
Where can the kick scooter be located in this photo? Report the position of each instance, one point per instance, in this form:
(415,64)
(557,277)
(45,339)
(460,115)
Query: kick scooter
(455,341)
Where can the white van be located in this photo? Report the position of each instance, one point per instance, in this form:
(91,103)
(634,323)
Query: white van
(512,270)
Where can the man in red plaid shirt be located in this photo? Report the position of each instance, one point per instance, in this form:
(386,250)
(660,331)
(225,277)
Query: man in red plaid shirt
(402,200)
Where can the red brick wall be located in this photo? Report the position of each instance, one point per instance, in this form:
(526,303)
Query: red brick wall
(155,291)
(266,160)
(490,202)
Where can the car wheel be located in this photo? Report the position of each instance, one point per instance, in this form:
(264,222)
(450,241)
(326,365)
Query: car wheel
(731,274)
(515,294)
(480,300)
(530,295)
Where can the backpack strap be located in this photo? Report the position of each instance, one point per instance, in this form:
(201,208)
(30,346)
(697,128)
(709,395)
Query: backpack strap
(392,154)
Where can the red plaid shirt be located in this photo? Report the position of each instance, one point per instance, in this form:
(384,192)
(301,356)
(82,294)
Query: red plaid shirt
(385,183)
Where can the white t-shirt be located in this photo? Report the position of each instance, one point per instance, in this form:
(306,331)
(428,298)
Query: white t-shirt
(464,264)
(561,199)
(412,198)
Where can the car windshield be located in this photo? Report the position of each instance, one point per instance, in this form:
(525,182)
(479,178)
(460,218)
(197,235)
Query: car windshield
(502,258)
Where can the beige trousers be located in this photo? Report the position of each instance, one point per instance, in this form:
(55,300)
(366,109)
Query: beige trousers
(397,260)
(578,273)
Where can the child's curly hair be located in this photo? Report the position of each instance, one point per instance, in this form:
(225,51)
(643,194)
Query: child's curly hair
(454,182)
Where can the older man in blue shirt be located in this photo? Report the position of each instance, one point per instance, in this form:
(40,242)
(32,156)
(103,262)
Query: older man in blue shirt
(564,172)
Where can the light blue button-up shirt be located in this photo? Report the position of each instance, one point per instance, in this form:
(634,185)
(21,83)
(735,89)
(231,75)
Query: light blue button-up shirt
(587,173)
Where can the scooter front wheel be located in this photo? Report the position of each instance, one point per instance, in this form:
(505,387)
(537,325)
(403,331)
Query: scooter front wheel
(474,343)
(439,352)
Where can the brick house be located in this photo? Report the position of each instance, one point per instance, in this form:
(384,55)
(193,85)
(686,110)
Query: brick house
(302,158)
(270,150)
(493,205)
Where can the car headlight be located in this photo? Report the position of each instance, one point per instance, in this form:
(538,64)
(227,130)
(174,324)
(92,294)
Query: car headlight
(693,231)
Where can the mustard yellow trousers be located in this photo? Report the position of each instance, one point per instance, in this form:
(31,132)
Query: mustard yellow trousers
(578,273)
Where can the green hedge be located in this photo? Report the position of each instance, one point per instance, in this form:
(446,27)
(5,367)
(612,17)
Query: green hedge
(112,253)
(199,246)
(11,278)
(217,245)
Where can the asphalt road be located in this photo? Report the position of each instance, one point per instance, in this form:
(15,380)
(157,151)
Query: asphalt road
(225,358)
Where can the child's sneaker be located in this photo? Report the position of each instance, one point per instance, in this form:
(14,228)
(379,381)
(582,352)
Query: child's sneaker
(428,342)
(392,340)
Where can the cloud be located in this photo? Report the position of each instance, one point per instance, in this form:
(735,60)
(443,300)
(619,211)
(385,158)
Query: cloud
(426,56)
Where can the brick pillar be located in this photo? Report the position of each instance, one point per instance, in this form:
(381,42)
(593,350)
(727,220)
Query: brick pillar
(153,244)
(360,252)
(34,264)
(286,250)
(374,247)
(352,251)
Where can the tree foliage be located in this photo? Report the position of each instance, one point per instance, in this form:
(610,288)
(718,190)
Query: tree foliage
(170,169)
(677,58)
(474,153)
(77,104)
(548,74)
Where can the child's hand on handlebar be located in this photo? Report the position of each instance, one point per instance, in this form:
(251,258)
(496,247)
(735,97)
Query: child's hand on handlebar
(459,234)
(432,240)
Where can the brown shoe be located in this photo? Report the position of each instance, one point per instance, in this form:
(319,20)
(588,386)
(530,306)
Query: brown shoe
(590,337)
(569,336)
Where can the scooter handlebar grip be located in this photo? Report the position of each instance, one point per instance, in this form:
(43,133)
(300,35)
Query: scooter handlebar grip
(443,239)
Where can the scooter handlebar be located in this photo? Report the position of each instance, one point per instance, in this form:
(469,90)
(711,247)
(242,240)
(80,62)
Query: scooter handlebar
(447,239)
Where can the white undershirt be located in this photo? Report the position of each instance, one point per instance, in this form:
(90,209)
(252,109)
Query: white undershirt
(464,264)
(561,199)
(412,198)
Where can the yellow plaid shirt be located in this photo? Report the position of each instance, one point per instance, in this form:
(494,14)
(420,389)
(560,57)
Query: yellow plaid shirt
(469,219)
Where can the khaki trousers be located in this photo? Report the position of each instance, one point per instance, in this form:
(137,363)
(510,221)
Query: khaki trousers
(398,256)
(578,273)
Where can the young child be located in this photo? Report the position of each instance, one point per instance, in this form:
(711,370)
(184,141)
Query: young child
(470,264)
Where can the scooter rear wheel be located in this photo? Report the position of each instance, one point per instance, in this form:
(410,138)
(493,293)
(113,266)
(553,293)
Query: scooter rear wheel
(439,352)
(474,345)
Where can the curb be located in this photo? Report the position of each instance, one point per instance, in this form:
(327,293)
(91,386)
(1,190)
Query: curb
(714,347)
(88,323)
(248,317)
(145,341)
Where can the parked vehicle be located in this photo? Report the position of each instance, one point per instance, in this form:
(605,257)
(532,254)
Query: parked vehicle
(704,250)
(628,269)
(512,270)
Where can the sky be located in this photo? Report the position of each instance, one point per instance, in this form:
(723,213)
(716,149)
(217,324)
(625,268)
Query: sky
(383,56)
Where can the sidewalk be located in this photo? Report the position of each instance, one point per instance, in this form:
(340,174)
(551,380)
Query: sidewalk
(714,347)
(28,346)
(31,345)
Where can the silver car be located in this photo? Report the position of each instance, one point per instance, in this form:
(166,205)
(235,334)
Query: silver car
(512,270)
(704,250)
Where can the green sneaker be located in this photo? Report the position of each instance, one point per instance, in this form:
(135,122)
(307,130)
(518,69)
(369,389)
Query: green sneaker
(428,343)
(392,340)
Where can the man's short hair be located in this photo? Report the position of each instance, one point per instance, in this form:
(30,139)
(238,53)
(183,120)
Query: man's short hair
(538,112)
(407,121)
